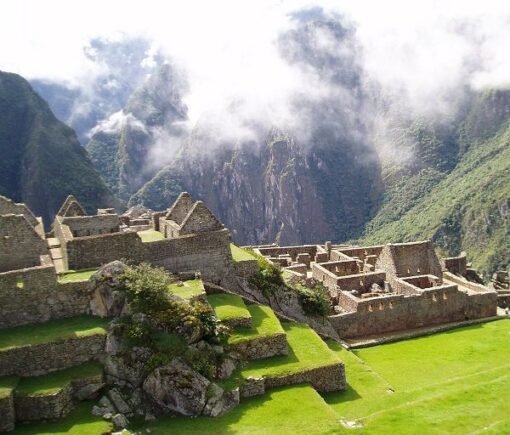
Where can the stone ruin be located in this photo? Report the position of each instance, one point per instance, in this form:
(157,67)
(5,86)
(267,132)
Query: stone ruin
(380,289)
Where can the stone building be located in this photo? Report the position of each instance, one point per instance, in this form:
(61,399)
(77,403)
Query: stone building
(378,289)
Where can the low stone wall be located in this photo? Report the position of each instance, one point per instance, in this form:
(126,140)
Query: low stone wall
(238,322)
(262,347)
(323,379)
(44,407)
(40,359)
(34,296)
(7,416)
(245,269)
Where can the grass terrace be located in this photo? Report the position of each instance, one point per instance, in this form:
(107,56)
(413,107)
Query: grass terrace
(76,275)
(306,350)
(264,323)
(79,421)
(240,254)
(7,385)
(188,289)
(54,330)
(298,409)
(55,381)
(150,236)
(228,306)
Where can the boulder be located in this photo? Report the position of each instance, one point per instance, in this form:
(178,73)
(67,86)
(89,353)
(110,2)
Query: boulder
(131,371)
(120,421)
(89,391)
(107,298)
(118,401)
(177,388)
(220,402)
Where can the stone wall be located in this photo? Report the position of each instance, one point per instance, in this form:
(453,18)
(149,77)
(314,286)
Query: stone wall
(262,347)
(324,379)
(94,251)
(293,251)
(362,281)
(39,359)
(7,416)
(20,245)
(34,296)
(246,268)
(361,252)
(398,312)
(81,226)
(456,265)
(44,407)
(200,220)
(8,206)
(409,259)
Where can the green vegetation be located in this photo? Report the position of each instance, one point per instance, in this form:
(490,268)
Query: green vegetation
(150,235)
(453,382)
(461,208)
(188,289)
(306,350)
(80,421)
(314,300)
(240,254)
(269,277)
(76,275)
(52,331)
(165,323)
(55,381)
(7,385)
(228,306)
(292,410)
(264,323)
(42,160)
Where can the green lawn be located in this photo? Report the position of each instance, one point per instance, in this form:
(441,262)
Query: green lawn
(306,350)
(264,322)
(54,330)
(228,306)
(454,382)
(150,235)
(188,289)
(240,254)
(76,275)
(298,409)
(53,382)
(7,385)
(80,421)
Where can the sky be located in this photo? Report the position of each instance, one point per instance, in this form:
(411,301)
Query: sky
(422,50)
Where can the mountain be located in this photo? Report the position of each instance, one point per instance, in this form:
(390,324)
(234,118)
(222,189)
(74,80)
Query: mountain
(121,146)
(119,67)
(460,196)
(275,190)
(42,160)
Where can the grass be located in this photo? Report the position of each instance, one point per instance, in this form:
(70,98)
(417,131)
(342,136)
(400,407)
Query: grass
(7,385)
(296,409)
(306,350)
(240,254)
(228,306)
(76,275)
(150,235)
(188,289)
(55,381)
(54,330)
(79,421)
(264,323)
(453,382)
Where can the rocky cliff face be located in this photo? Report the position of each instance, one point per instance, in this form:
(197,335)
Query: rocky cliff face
(275,191)
(42,161)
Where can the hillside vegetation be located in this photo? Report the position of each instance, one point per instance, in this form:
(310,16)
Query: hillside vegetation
(42,161)
(466,208)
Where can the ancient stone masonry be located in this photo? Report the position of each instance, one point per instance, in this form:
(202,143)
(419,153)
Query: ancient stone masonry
(379,289)
(192,238)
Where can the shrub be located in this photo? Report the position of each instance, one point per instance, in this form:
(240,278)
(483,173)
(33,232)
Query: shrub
(269,277)
(315,300)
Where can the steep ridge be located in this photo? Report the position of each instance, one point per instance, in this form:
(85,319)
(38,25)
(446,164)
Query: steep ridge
(42,160)
(464,205)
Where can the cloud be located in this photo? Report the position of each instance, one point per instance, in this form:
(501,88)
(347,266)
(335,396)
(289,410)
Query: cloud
(421,56)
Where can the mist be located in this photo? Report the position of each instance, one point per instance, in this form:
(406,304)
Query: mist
(251,66)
